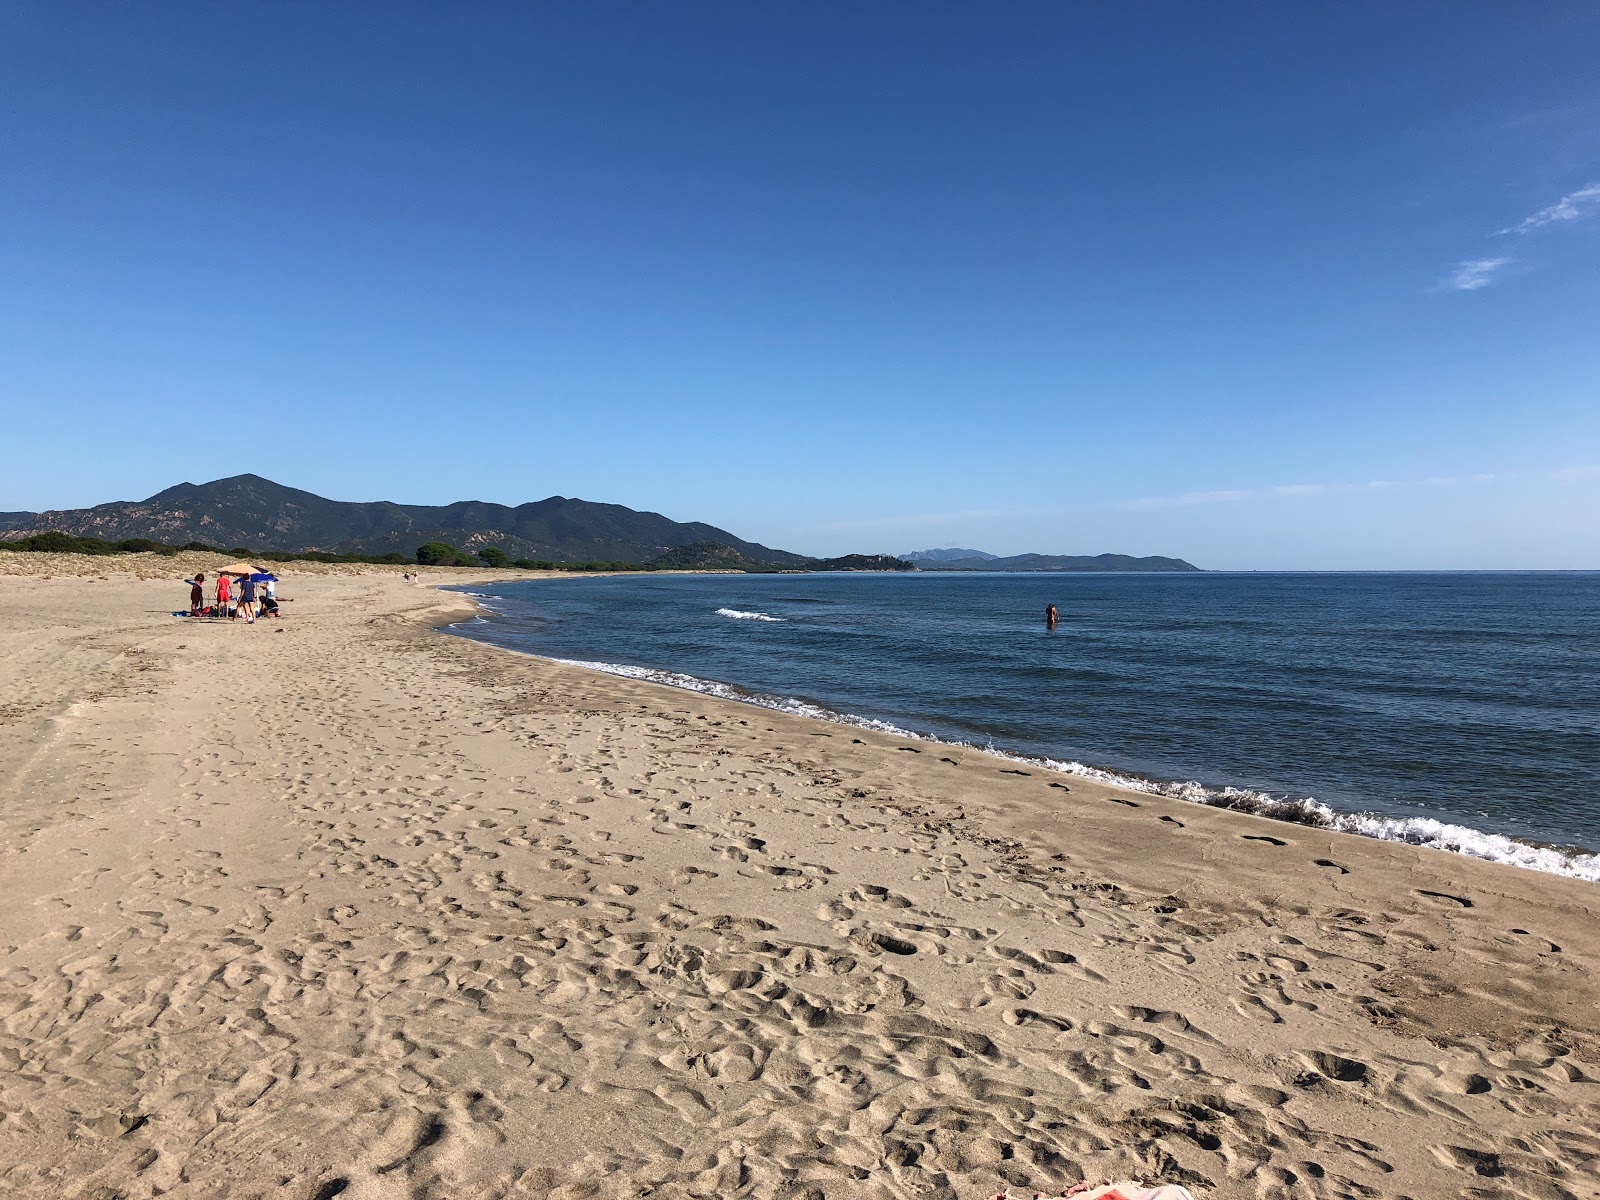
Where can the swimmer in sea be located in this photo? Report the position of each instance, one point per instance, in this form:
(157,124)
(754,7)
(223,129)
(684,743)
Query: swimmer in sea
(1049,616)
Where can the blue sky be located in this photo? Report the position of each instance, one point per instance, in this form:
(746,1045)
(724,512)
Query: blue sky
(1258,285)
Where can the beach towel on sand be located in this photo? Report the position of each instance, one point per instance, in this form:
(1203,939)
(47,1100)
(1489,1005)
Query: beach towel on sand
(1121,1190)
(1129,1190)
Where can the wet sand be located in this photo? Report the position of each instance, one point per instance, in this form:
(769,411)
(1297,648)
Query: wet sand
(361,909)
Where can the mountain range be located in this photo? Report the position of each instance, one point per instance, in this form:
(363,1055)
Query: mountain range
(247,511)
(256,513)
(979,560)
(943,556)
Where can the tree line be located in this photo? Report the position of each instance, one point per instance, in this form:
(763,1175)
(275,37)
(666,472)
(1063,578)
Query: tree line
(702,555)
(432,554)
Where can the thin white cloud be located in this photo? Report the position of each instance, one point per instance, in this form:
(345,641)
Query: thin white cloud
(1574,206)
(1221,497)
(1296,490)
(1580,115)
(1299,489)
(918,520)
(1473,274)
(1581,471)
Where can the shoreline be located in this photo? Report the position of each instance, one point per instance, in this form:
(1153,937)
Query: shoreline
(1423,831)
(424,918)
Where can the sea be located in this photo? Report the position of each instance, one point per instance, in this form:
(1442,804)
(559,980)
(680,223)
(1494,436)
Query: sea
(1455,710)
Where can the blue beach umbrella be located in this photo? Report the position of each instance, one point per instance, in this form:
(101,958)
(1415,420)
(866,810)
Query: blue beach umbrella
(263,577)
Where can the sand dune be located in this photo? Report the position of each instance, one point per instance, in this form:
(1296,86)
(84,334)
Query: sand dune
(359,909)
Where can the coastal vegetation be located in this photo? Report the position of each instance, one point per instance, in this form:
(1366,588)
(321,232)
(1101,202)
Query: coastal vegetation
(442,554)
(711,556)
(702,556)
(56,542)
(864,562)
(707,556)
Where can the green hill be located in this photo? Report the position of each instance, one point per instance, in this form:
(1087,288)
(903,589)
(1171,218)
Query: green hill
(707,556)
(247,510)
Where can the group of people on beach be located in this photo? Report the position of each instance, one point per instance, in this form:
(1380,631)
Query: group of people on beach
(237,596)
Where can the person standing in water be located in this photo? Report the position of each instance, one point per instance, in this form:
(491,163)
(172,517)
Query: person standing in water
(1049,616)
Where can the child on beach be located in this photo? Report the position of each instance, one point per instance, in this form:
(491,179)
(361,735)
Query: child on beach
(197,593)
(224,594)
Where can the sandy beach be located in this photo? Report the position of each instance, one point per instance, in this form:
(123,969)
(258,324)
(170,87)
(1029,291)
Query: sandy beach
(341,905)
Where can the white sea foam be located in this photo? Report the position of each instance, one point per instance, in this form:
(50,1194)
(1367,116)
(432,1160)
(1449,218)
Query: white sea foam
(748,616)
(1412,831)
(711,687)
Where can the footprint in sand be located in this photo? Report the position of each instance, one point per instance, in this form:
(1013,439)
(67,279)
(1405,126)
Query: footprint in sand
(1550,947)
(1332,1066)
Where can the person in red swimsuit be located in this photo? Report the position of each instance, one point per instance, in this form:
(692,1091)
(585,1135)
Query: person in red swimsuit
(224,594)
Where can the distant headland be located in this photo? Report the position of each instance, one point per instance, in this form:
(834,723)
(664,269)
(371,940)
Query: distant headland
(979,560)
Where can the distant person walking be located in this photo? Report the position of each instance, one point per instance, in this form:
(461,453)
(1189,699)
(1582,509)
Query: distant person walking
(197,593)
(1050,616)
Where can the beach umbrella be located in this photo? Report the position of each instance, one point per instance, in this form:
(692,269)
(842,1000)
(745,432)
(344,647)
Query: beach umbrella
(263,577)
(238,568)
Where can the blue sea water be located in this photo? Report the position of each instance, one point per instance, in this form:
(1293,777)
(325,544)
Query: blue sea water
(1459,710)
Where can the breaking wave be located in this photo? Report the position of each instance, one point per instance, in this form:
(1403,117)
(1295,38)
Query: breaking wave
(748,616)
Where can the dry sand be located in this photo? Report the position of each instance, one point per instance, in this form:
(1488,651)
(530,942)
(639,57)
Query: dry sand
(361,909)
